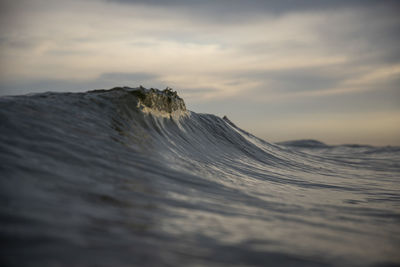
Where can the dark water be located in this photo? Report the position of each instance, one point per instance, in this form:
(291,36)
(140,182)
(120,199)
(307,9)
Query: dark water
(90,179)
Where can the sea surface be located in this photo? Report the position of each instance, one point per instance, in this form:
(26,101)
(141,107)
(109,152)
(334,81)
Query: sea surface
(129,177)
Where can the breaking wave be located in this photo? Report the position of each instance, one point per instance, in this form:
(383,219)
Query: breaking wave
(129,176)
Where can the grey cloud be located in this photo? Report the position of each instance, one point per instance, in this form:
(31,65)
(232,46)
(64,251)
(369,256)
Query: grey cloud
(369,37)
(237,11)
(127,76)
(279,6)
(368,33)
(143,44)
(103,81)
(196,92)
(379,96)
(246,106)
(385,99)
(300,79)
(363,37)
(69,52)
(271,48)
(24,86)
(200,90)
(18,42)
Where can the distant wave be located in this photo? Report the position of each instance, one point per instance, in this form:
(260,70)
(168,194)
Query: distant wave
(129,176)
(304,143)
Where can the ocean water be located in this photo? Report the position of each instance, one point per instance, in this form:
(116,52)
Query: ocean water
(129,177)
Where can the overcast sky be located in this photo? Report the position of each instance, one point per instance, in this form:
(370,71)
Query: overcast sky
(326,70)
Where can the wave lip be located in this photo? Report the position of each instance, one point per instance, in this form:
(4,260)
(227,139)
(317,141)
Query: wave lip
(150,100)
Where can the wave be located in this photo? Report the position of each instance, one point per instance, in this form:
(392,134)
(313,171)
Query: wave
(309,143)
(129,176)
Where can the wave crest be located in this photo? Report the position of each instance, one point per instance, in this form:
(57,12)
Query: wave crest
(160,102)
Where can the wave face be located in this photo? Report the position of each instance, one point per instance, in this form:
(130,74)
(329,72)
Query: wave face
(129,177)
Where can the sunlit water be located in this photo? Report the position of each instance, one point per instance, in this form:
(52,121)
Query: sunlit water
(88,179)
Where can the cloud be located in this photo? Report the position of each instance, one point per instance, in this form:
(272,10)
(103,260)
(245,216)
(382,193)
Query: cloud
(272,6)
(103,81)
(299,79)
(126,76)
(369,35)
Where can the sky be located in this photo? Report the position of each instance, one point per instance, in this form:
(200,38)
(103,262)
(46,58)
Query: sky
(282,70)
